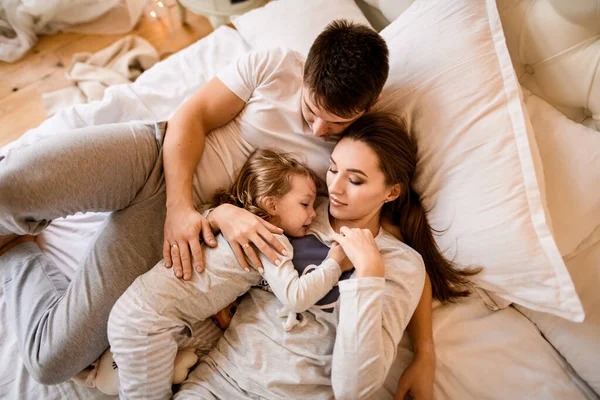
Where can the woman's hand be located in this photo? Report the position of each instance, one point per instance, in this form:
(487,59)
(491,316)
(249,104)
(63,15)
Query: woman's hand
(181,245)
(360,248)
(417,379)
(244,231)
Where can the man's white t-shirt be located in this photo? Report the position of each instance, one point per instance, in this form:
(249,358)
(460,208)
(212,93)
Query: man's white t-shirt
(270,82)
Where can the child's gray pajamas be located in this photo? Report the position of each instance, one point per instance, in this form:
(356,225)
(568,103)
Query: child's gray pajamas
(153,317)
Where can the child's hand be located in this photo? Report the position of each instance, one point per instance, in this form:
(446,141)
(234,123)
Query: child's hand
(360,248)
(337,253)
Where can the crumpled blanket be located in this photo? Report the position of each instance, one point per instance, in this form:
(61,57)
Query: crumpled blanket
(21,21)
(92,73)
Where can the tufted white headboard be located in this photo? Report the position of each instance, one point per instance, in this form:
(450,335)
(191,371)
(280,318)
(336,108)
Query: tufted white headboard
(555,49)
(554,46)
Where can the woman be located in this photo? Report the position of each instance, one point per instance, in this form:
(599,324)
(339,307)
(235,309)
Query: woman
(344,350)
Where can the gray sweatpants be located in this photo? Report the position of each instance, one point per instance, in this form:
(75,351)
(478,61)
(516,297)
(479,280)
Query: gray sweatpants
(61,325)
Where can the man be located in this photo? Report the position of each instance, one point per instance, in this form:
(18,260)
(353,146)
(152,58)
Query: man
(271,98)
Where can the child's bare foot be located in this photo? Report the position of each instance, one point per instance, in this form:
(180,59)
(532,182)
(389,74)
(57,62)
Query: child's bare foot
(12,241)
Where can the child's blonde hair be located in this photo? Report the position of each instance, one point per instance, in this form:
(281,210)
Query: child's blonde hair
(266,173)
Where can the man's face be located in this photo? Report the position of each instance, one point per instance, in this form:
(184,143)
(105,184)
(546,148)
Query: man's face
(321,122)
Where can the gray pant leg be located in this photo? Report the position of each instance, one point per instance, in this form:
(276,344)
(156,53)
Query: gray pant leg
(61,333)
(100,168)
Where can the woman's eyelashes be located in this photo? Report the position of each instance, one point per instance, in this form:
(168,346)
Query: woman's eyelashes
(356,183)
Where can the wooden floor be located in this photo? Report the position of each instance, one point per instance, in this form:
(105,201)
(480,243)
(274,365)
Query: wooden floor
(43,68)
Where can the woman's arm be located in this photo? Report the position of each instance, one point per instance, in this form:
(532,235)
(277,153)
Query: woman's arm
(375,309)
(419,327)
(299,293)
(418,378)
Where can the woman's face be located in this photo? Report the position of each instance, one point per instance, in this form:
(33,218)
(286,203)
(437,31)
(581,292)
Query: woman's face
(356,184)
(294,211)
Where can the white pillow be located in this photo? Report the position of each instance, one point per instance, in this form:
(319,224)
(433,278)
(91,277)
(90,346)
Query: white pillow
(293,24)
(391,9)
(484,354)
(571,157)
(578,343)
(451,77)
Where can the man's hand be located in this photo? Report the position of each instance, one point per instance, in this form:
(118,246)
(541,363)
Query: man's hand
(181,246)
(417,379)
(244,231)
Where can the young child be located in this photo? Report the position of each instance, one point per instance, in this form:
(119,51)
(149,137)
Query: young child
(149,323)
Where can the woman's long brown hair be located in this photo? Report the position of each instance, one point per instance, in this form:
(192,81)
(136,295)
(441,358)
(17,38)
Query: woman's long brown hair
(387,136)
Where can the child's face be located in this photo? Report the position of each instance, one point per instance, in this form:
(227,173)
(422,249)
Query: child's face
(295,210)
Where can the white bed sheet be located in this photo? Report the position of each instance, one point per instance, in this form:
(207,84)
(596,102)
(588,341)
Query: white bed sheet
(481,353)
(485,354)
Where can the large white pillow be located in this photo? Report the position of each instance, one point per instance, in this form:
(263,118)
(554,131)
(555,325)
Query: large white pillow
(293,24)
(451,77)
(571,157)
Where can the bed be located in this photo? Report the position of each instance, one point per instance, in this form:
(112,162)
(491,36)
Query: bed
(486,347)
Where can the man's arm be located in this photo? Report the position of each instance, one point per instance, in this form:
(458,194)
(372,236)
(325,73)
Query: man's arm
(212,106)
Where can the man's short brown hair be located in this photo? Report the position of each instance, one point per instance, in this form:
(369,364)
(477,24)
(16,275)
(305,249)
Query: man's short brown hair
(346,68)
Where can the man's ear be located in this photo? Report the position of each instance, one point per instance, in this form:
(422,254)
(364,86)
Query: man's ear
(375,102)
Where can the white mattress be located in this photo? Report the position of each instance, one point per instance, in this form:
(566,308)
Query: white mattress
(481,353)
